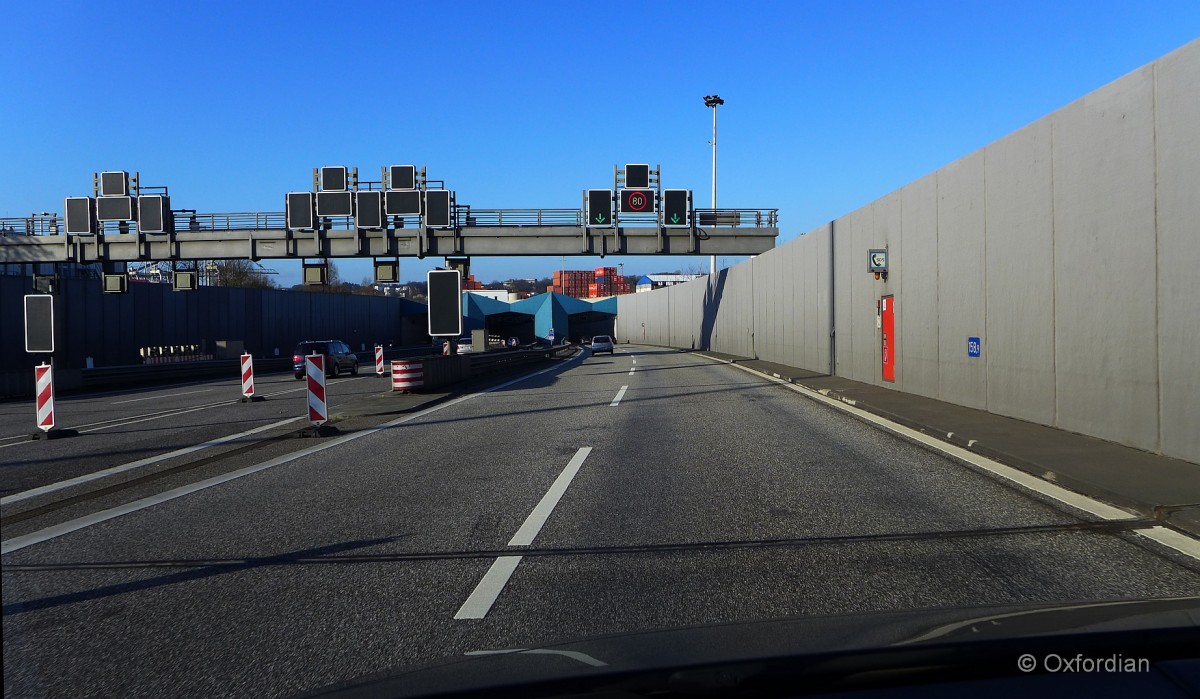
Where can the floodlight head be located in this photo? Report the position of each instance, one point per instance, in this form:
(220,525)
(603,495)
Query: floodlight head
(713,100)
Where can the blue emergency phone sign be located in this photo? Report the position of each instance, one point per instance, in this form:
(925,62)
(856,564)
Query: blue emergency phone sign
(974,347)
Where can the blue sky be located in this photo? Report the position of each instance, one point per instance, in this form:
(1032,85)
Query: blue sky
(829,105)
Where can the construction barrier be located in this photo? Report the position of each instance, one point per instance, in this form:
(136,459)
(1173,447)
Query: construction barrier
(407,375)
(314,370)
(44,379)
(379,360)
(247,376)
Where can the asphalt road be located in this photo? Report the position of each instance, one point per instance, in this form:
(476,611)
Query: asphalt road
(125,426)
(651,489)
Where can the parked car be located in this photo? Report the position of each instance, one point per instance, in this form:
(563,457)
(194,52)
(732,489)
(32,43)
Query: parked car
(602,343)
(465,345)
(338,357)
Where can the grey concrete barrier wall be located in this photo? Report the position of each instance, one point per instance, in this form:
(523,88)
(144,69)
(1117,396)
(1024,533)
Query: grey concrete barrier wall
(1070,248)
(443,371)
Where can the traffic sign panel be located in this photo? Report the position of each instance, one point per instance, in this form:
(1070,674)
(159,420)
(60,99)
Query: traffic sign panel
(637,201)
(333,178)
(335,203)
(115,208)
(39,323)
(404,202)
(444,288)
(81,215)
(599,208)
(637,176)
(677,208)
(154,213)
(369,212)
(114,183)
(437,208)
(300,211)
(402,177)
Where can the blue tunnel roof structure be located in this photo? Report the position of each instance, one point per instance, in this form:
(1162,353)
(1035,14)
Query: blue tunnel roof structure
(548,310)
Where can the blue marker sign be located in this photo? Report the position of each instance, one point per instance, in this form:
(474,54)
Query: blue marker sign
(974,347)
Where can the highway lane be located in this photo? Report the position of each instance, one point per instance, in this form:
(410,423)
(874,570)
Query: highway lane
(130,426)
(704,494)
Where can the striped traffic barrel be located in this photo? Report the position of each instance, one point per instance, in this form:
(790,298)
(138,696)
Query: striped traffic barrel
(407,375)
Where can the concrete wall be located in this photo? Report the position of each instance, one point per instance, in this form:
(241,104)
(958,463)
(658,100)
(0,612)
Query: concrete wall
(1071,248)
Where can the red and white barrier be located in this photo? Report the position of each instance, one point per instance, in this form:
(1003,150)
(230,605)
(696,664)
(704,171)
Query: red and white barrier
(379,360)
(407,375)
(247,376)
(314,369)
(44,375)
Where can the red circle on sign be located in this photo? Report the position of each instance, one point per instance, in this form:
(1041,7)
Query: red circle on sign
(638,201)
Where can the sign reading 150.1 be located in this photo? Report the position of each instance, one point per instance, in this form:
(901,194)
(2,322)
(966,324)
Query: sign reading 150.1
(637,201)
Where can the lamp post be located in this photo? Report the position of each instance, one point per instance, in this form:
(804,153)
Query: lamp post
(713,101)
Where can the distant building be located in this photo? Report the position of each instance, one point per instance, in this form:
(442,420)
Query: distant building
(650,282)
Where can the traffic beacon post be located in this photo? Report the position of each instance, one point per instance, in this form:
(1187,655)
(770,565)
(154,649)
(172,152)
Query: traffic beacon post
(39,339)
(318,405)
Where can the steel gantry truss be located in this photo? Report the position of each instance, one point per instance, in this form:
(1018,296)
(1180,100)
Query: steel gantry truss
(126,222)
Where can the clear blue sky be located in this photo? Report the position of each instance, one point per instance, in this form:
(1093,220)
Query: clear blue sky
(523,104)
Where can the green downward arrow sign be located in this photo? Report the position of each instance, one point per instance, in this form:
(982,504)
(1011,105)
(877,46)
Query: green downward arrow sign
(674,218)
(599,218)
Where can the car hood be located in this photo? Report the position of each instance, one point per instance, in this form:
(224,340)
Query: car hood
(482,669)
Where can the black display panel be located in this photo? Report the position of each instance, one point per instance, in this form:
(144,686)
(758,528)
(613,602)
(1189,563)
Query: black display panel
(80,215)
(333,178)
(300,211)
(335,203)
(445,302)
(402,177)
(403,203)
(637,176)
(600,208)
(115,208)
(369,213)
(437,208)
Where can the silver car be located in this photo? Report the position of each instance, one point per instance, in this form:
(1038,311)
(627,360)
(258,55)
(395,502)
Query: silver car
(601,343)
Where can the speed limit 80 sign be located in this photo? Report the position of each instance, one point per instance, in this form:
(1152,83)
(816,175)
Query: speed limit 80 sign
(637,201)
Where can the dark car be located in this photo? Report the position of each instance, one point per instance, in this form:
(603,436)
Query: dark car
(338,357)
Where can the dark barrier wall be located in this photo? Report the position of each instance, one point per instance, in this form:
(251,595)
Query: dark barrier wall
(111,328)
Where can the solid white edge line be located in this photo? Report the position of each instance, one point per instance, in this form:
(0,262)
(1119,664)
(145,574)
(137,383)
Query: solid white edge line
(542,511)
(620,394)
(42,490)
(169,395)
(1170,538)
(1031,482)
(37,537)
(480,602)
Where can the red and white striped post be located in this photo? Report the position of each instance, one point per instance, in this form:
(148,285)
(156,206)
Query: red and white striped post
(247,377)
(407,375)
(379,370)
(314,370)
(44,375)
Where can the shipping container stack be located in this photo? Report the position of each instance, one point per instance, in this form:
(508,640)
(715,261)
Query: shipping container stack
(571,282)
(469,284)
